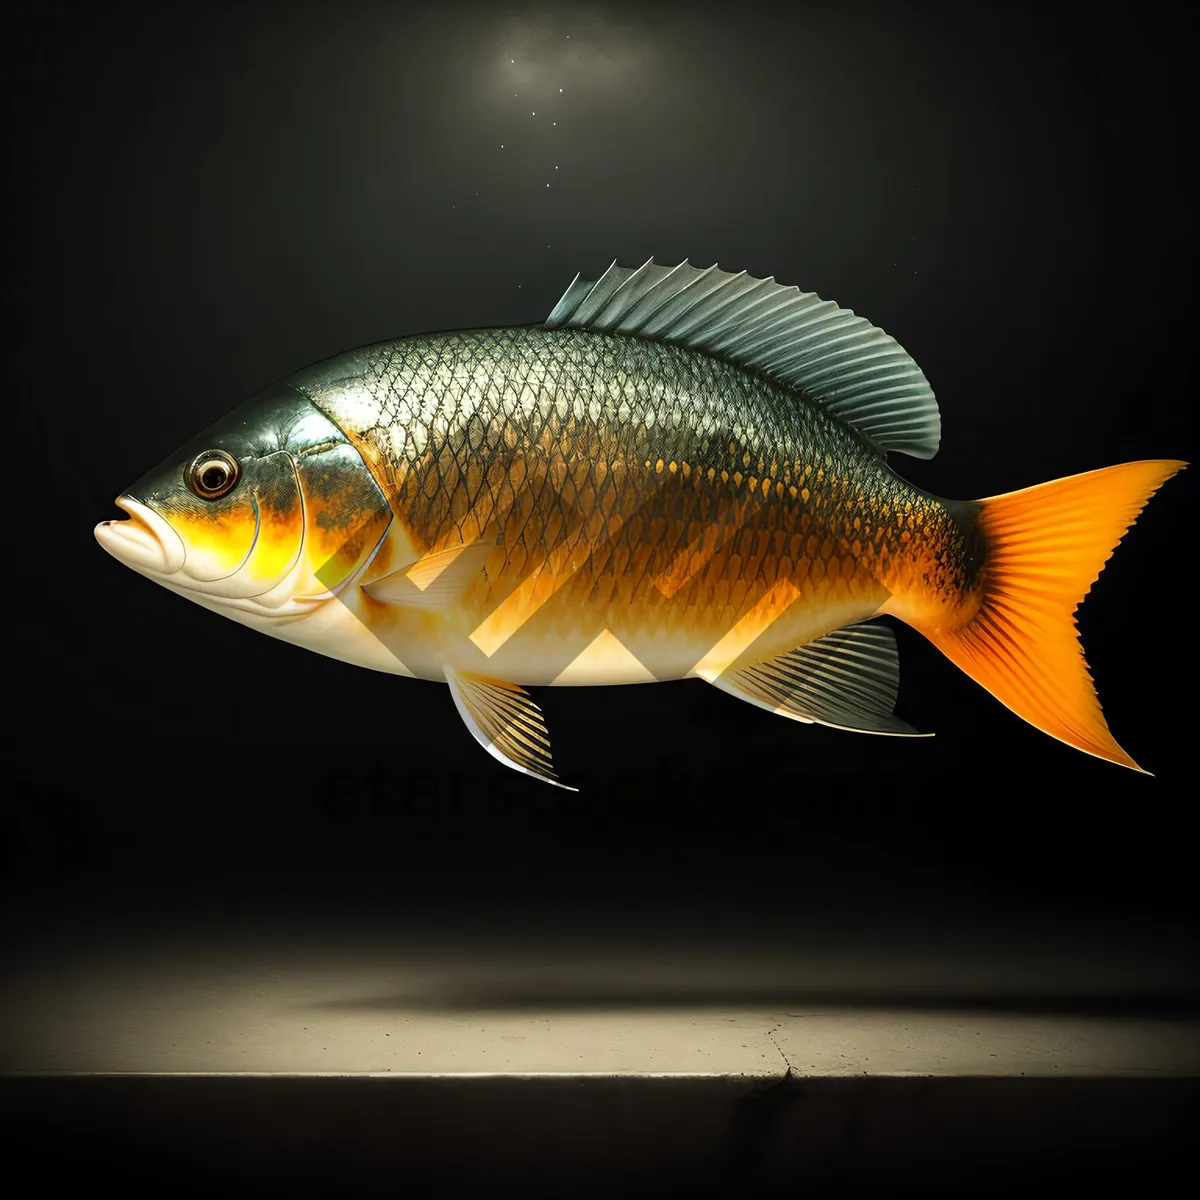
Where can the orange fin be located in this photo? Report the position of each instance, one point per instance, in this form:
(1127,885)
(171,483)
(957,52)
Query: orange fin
(1045,546)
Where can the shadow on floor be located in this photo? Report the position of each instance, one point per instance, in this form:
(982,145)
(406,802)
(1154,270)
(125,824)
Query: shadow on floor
(482,994)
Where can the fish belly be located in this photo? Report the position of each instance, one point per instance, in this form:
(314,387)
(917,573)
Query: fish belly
(657,600)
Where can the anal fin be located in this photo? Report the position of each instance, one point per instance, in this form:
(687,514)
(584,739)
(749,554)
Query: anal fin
(506,722)
(848,679)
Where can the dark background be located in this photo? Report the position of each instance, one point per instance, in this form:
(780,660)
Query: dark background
(209,200)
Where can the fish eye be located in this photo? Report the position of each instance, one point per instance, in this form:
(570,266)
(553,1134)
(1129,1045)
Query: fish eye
(212,474)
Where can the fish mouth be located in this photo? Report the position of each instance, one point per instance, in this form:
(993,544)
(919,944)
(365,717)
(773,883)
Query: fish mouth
(143,540)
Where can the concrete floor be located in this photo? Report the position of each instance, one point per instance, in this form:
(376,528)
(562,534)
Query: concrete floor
(255,1002)
(639,1063)
(302,1022)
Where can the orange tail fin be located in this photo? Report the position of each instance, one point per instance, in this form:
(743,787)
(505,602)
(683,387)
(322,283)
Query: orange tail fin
(1045,546)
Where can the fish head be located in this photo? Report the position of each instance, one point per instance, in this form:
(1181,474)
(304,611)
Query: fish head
(270,512)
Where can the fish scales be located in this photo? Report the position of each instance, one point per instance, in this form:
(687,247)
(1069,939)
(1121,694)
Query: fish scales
(677,490)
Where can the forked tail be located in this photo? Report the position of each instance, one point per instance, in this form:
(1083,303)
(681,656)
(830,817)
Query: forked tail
(1044,547)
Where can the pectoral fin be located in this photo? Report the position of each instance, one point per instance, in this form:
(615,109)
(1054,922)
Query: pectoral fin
(506,722)
(434,581)
(848,680)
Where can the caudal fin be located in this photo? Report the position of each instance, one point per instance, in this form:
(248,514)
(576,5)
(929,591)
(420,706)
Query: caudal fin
(1045,546)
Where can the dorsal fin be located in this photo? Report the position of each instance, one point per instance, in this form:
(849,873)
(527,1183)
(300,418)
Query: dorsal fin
(837,359)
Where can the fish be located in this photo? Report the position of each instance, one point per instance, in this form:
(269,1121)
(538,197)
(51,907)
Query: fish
(681,473)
